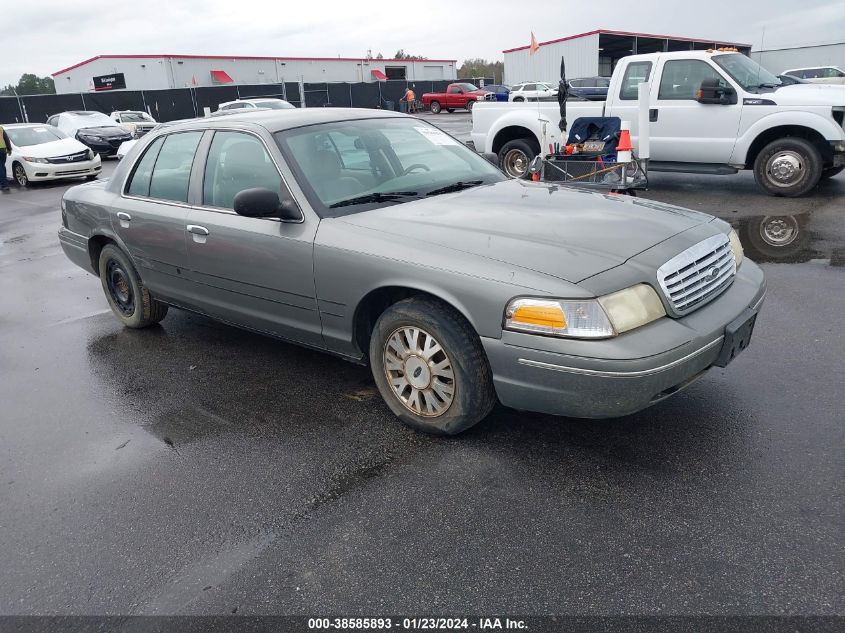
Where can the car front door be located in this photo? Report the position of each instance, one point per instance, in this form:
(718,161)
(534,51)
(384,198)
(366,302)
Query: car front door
(150,215)
(454,97)
(684,130)
(255,272)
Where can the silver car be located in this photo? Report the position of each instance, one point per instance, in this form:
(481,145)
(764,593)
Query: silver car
(379,238)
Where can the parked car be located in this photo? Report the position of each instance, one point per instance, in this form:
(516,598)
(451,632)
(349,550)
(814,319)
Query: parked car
(788,80)
(457,96)
(819,74)
(266,102)
(532,90)
(711,112)
(136,122)
(94,129)
(592,88)
(42,152)
(377,237)
(497,92)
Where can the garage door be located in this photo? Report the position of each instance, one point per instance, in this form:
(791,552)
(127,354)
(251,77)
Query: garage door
(432,72)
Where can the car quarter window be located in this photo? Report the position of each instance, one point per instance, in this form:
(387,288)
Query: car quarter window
(237,161)
(172,170)
(682,77)
(635,74)
(139,183)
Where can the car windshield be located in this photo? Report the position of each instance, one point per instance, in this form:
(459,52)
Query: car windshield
(746,72)
(24,136)
(92,119)
(353,166)
(275,104)
(135,117)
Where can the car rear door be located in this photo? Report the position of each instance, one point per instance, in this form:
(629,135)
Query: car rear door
(256,272)
(149,217)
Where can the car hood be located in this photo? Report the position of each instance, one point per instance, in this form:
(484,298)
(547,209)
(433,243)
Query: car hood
(558,231)
(807,95)
(107,131)
(59,147)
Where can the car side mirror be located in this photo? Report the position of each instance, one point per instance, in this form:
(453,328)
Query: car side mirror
(265,203)
(712,92)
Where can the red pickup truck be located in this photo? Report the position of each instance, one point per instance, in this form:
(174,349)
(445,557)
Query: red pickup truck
(459,95)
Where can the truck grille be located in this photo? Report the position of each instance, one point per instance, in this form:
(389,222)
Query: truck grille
(698,275)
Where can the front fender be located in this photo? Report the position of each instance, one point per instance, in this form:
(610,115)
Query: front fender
(825,126)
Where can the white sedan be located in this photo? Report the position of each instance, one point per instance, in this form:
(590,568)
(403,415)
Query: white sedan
(43,152)
(532,90)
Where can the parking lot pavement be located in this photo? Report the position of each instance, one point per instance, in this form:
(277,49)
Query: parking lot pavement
(195,468)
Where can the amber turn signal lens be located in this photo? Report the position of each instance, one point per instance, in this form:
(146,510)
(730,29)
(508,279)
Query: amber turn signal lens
(543,315)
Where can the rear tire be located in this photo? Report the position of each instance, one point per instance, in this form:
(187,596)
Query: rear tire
(516,155)
(435,107)
(430,367)
(830,172)
(518,99)
(128,298)
(788,167)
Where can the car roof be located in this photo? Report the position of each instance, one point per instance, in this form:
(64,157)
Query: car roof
(9,126)
(277,120)
(810,68)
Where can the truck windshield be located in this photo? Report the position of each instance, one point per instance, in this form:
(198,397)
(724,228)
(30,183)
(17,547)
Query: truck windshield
(351,166)
(746,72)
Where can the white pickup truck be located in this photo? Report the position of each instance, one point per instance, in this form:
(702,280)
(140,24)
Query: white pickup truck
(710,112)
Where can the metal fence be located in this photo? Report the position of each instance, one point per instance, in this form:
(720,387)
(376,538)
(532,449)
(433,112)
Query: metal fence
(185,103)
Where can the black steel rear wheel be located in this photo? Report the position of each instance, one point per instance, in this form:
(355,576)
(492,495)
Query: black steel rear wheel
(128,298)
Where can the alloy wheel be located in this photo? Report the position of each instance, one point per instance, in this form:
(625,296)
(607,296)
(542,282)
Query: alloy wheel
(419,371)
(785,168)
(20,175)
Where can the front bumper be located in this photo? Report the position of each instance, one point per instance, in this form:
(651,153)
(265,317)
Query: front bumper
(106,148)
(622,375)
(50,171)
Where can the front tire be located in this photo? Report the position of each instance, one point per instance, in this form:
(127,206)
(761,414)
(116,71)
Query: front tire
(830,172)
(470,105)
(788,167)
(19,174)
(516,155)
(435,107)
(128,298)
(518,99)
(430,367)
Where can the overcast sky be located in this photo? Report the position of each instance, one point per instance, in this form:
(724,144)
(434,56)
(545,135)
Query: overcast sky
(43,36)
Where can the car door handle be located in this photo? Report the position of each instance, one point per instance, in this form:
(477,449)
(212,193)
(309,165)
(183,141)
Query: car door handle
(197,230)
(123,216)
(652,115)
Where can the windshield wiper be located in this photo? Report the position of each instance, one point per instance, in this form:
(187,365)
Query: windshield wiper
(390,196)
(455,186)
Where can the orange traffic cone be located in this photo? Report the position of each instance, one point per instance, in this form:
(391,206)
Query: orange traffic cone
(624,146)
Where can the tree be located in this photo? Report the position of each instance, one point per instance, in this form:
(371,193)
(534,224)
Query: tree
(401,54)
(30,84)
(379,56)
(478,67)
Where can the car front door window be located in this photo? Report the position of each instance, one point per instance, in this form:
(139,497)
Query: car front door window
(237,161)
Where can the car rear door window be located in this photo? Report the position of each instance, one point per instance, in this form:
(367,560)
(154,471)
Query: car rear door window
(139,184)
(172,170)
(635,74)
(237,161)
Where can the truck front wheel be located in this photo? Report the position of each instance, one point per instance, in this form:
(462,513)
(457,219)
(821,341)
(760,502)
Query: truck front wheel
(788,167)
(515,156)
(830,172)
(469,105)
(435,107)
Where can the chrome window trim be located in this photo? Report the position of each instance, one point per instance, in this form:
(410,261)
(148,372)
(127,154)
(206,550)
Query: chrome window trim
(201,207)
(620,374)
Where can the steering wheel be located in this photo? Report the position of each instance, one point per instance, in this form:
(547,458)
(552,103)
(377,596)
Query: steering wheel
(417,166)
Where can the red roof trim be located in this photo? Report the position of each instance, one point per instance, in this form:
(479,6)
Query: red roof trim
(375,72)
(629,33)
(297,59)
(221,76)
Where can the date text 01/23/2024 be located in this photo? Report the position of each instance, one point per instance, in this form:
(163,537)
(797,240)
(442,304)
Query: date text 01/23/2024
(421,623)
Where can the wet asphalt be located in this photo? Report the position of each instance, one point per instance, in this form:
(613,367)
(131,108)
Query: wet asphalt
(194,468)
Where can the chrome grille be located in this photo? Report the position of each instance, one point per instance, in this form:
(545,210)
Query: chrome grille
(697,275)
(70,158)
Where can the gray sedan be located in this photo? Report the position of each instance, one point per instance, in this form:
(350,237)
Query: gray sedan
(377,237)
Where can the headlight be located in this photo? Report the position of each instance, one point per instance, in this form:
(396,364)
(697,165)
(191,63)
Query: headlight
(91,137)
(604,317)
(632,307)
(90,154)
(736,247)
(32,159)
(558,317)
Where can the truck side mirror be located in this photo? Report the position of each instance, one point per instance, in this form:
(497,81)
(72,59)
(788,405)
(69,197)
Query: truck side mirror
(712,91)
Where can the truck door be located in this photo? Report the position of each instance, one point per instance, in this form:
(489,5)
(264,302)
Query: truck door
(455,97)
(681,128)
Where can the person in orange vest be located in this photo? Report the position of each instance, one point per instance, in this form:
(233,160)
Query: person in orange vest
(411,99)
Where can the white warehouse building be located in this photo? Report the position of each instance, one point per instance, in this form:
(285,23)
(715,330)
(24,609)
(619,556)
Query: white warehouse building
(594,54)
(156,72)
(777,60)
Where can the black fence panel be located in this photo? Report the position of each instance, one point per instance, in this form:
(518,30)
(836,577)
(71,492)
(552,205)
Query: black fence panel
(10,111)
(211,97)
(316,94)
(253,91)
(292,93)
(366,95)
(108,102)
(340,95)
(393,91)
(38,107)
(170,105)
